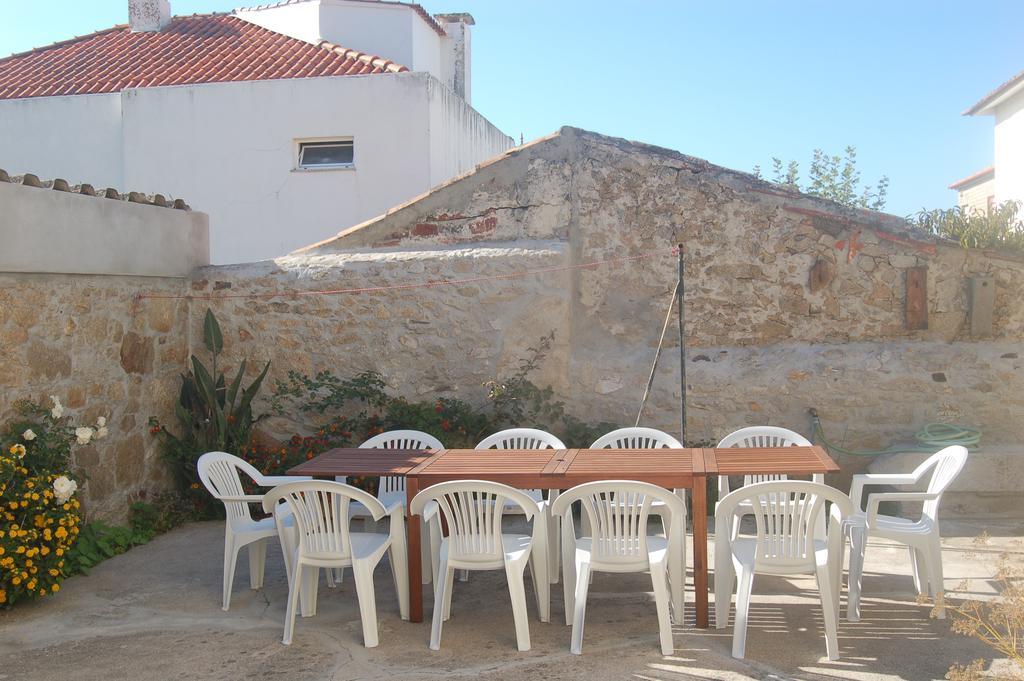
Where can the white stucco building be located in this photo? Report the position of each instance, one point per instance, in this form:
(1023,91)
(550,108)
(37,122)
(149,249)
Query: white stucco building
(1004,181)
(286,123)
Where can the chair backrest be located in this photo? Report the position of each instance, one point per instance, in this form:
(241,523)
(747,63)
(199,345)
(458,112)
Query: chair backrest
(789,517)
(218,471)
(636,438)
(759,436)
(472,511)
(946,464)
(618,512)
(399,439)
(320,510)
(521,438)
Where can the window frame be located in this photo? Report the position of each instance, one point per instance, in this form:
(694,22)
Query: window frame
(302,144)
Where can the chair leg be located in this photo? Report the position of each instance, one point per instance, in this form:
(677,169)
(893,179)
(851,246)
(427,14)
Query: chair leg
(539,565)
(676,570)
(362,573)
(933,561)
(448,590)
(744,587)
(310,587)
(830,610)
(334,577)
(426,557)
(579,606)
(463,575)
(858,544)
(435,549)
(293,597)
(400,572)
(230,558)
(917,563)
(724,579)
(661,600)
(257,563)
(441,581)
(517,593)
(568,571)
(554,548)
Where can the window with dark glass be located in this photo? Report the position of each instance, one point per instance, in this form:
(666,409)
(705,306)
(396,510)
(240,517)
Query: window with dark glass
(332,154)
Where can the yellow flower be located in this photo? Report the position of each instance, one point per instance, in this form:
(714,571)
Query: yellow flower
(60,552)
(3,596)
(54,572)
(55,588)
(16,581)
(31,586)
(61,533)
(1,550)
(20,549)
(18,450)
(45,550)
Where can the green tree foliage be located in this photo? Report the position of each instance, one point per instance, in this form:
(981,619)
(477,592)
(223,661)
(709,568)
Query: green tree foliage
(832,177)
(999,228)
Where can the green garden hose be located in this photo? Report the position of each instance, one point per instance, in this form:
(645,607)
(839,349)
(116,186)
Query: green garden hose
(931,438)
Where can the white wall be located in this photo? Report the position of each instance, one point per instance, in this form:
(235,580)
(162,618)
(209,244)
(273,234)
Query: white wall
(460,137)
(77,138)
(1009,149)
(60,232)
(299,20)
(229,148)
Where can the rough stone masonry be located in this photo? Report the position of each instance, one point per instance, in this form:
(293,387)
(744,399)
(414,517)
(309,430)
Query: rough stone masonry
(791,302)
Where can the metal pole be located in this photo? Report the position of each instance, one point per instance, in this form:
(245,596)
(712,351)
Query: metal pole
(680,288)
(657,355)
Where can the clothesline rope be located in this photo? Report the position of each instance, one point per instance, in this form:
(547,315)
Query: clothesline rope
(416,285)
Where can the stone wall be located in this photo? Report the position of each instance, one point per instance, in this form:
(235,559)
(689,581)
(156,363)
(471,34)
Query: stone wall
(791,303)
(73,326)
(87,340)
(766,339)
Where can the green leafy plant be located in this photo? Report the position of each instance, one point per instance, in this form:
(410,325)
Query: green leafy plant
(832,177)
(346,411)
(213,415)
(998,228)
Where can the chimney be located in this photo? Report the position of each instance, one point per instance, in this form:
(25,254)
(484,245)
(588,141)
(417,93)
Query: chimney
(459,54)
(148,15)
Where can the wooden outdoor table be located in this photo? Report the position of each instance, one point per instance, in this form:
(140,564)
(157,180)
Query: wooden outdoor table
(565,468)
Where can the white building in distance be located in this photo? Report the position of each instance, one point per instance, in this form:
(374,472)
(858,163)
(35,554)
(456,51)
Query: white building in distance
(286,123)
(1004,180)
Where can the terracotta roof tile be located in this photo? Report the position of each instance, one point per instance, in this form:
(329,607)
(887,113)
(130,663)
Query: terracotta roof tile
(198,49)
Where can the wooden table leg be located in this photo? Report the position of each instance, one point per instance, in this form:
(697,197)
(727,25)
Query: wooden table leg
(700,548)
(412,487)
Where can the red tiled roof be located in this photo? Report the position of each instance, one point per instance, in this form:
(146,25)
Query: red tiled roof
(208,48)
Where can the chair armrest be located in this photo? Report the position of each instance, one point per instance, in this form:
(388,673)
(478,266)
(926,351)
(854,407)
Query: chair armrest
(875,499)
(275,480)
(248,498)
(860,481)
(431,511)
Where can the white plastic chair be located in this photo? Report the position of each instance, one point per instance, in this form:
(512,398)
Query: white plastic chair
(650,438)
(219,473)
(472,511)
(324,540)
(529,438)
(921,536)
(759,436)
(617,511)
(789,515)
(391,488)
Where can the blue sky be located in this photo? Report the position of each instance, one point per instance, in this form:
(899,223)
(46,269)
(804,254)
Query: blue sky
(732,82)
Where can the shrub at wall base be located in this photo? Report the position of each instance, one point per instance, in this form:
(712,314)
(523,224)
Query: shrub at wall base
(39,519)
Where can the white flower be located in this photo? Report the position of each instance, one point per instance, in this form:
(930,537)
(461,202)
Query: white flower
(63,488)
(28,435)
(84,435)
(58,408)
(101,432)
(101,421)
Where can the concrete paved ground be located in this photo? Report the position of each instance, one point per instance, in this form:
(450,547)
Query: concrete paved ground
(154,613)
